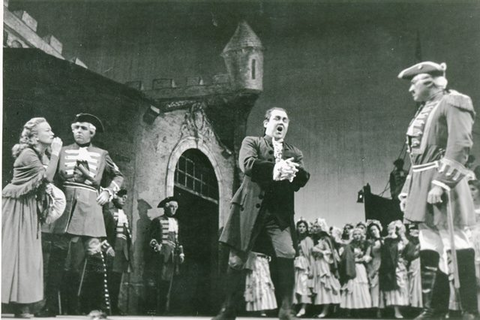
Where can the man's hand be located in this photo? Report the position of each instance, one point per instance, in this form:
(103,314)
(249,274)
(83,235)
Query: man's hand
(285,170)
(84,171)
(103,197)
(111,252)
(435,195)
(182,258)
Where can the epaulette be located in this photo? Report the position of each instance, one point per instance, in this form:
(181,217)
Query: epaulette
(460,101)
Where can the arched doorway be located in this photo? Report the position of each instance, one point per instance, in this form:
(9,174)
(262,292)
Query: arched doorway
(196,187)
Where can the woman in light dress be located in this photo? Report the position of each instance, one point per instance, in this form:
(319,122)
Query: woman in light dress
(22,260)
(355,293)
(303,269)
(259,289)
(326,286)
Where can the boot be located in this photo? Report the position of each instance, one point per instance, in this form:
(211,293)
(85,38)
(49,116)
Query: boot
(150,297)
(433,282)
(286,283)
(23,311)
(439,298)
(468,286)
(233,283)
(71,285)
(94,295)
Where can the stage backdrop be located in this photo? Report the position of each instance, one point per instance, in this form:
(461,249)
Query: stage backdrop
(332,66)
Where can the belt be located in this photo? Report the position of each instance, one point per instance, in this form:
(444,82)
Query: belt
(261,255)
(425,166)
(78,185)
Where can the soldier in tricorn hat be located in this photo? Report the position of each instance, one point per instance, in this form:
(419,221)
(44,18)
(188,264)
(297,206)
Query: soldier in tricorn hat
(163,254)
(436,195)
(89,179)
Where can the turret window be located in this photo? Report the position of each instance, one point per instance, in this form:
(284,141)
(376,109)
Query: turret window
(254,67)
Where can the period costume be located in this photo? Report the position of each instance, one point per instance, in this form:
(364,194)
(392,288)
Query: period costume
(373,271)
(439,140)
(355,292)
(393,273)
(161,265)
(22,263)
(397,180)
(118,239)
(259,288)
(412,256)
(303,269)
(263,205)
(326,286)
(76,235)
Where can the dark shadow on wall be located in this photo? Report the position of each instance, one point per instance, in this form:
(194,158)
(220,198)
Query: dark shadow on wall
(137,287)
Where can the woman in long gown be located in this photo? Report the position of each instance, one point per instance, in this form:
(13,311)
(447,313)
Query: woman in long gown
(303,268)
(374,229)
(259,288)
(393,271)
(326,285)
(22,261)
(355,293)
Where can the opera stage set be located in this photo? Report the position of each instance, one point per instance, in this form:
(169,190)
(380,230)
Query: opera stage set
(179,85)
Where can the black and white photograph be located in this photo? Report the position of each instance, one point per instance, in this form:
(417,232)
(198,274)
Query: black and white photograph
(236,159)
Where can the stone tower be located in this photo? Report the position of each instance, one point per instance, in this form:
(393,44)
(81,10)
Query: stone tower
(244,59)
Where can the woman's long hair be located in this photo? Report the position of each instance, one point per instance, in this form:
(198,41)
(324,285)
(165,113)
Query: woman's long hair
(302,236)
(28,138)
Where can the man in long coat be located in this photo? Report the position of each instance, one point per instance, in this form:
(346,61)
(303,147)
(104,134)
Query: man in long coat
(89,179)
(163,254)
(264,205)
(118,242)
(439,140)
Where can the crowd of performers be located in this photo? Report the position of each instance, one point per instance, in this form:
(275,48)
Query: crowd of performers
(428,264)
(361,270)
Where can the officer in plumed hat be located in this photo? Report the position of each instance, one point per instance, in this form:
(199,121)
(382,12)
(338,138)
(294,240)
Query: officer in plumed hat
(163,255)
(89,178)
(436,193)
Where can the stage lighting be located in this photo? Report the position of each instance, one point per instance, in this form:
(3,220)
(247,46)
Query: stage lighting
(360,196)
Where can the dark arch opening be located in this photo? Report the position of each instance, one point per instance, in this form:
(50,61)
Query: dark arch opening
(196,187)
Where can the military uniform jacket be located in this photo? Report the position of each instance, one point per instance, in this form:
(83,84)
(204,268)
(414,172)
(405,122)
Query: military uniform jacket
(259,193)
(439,140)
(164,231)
(83,215)
(118,237)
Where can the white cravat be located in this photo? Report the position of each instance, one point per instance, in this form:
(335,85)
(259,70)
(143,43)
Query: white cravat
(277,149)
(172,225)
(122,218)
(83,154)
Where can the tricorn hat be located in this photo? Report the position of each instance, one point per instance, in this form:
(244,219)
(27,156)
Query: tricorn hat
(90,118)
(121,193)
(165,201)
(428,67)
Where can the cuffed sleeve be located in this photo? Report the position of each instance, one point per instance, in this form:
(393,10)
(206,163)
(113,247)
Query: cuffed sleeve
(114,172)
(459,117)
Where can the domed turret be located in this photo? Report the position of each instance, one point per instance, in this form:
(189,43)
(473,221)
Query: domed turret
(244,59)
